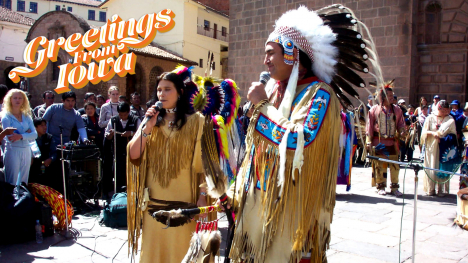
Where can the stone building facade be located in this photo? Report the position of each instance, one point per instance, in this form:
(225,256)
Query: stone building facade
(422,44)
(151,62)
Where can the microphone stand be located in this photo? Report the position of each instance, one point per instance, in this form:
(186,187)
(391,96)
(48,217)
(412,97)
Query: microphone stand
(416,168)
(115,160)
(64,182)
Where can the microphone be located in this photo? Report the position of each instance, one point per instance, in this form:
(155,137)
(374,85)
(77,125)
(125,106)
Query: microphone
(264,78)
(158,107)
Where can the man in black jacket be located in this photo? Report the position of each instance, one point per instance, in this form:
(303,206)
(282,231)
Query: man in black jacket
(125,125)
(45,169)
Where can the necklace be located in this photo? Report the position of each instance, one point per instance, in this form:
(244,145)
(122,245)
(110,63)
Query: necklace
(171,124)
(174,110)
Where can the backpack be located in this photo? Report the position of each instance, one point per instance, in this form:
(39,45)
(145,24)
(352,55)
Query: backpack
(115,213)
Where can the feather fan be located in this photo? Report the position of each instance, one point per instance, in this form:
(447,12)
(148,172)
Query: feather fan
(167,212)
(215,178)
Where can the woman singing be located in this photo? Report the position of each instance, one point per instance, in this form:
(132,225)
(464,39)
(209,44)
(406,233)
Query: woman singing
(165,162)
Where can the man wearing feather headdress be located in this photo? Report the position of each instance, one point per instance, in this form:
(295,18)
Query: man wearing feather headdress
(384,127)
(285,190)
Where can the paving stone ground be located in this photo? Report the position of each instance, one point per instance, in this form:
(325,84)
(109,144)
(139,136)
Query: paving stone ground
(365,228)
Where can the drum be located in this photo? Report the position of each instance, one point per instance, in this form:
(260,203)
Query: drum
(462,209)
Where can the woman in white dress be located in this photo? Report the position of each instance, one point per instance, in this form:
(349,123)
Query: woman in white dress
(436,126)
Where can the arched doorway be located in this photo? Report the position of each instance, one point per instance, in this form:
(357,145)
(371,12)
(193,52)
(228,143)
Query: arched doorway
(153,77)
(134,82)
(8,82)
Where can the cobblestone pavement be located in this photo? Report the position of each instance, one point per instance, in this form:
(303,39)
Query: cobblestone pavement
(365,228)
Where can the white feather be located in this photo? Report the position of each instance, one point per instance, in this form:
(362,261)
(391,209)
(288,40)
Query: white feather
(290,94)
(282,149)
(319,36)
(298,155)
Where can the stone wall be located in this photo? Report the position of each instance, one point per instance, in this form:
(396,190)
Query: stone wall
(398,28)
(389,23)
(441,66)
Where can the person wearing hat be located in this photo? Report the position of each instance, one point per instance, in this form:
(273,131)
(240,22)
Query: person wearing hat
(386,125)
(401,104)
(296,197)
(457,114)
(433,106)
(455,107)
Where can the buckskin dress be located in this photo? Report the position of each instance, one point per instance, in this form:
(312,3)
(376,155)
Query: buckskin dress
(172,166)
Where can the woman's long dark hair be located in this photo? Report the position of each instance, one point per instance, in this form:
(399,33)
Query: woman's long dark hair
(420,101)
(182,106)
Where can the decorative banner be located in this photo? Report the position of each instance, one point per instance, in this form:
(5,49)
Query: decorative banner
(312,123)
(97,48)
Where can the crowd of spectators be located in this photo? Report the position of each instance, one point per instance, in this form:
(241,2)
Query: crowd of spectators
(26,128)
(437,129)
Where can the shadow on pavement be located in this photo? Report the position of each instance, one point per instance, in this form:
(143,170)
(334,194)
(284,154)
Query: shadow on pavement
(365,199)
(20,252)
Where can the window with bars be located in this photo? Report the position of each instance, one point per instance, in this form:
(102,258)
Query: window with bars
(102,16)
(223,31)
(33,7)
(206,24)
(21,6)
(91,15)
(70,9)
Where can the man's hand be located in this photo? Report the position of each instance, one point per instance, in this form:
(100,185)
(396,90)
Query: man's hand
(219,204)
(257,93)
(110,135)
(47,162)
(87,142)
(127,134)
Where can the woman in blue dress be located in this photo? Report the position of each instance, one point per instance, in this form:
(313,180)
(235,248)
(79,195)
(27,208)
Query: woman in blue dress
(16,113)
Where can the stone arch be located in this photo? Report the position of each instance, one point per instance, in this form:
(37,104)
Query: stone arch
(432,21)
(8,82)
(153,77)
(82,23)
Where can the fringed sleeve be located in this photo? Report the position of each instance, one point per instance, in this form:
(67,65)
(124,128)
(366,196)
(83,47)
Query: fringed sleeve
(197,166)
(304,210)
(136,179)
